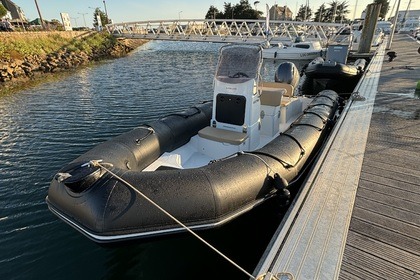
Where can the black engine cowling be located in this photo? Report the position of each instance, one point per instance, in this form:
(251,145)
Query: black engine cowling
(287,73)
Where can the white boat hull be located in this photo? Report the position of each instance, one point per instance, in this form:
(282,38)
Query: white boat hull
(276,53)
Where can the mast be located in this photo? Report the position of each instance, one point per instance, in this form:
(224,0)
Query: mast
(406,12)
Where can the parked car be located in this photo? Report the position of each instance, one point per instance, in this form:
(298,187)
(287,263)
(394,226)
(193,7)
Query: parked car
(386,26)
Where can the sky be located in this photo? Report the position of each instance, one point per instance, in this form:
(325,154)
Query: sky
(81,11)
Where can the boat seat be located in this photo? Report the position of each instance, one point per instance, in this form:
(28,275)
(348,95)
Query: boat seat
(288,89)
(222,135)
(271,96)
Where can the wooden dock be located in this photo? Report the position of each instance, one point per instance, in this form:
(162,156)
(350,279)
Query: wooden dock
(358,214)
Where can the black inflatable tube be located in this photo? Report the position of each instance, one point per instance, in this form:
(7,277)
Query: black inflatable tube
(320,71)
(111,211)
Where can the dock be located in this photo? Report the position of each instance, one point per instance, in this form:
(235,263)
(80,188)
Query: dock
(357,216)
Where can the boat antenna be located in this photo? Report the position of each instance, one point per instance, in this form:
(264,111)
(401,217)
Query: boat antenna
(97,163)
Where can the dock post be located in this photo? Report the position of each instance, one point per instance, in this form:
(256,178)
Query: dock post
(369,26)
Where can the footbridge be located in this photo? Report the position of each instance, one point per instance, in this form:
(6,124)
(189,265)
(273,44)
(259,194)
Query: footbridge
(224,30)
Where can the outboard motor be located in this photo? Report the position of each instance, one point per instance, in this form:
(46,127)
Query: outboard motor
(287,73)
(299,39)
(360,64)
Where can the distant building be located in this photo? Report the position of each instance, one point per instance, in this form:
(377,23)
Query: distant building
(405,15)
(280,13)
(16,14)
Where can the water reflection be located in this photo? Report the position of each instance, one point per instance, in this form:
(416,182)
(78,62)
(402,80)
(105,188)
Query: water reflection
(49,125)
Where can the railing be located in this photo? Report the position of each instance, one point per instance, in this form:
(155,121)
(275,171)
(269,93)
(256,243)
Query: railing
(226,31)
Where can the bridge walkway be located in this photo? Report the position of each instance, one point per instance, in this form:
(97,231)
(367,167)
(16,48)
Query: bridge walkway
(224,30)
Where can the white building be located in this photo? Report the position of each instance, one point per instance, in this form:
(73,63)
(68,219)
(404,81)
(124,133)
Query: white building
(16,14)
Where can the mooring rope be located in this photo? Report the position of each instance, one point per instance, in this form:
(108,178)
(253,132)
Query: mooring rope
(97,163)
(269,169)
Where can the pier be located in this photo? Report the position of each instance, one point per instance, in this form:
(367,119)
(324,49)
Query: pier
(358,214)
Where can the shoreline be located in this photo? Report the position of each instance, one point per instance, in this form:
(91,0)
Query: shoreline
(18,72)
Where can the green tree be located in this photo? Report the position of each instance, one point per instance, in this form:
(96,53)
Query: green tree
(384,8)
(304,13)
(228,10)
(342,12)
(3,11)
(321,14)
(213,13)
(103,17)
(242,10)
(337,12)
(55,24)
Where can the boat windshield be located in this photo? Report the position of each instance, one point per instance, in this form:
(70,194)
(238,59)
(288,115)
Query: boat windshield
(239,63)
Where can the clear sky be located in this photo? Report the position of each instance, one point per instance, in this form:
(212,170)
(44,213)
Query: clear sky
(138,10)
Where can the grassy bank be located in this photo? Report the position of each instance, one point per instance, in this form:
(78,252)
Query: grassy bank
(19,47)
(25,57)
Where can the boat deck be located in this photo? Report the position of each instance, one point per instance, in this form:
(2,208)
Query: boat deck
(358,214)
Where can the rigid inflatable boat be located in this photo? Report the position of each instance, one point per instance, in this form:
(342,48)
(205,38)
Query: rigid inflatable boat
(297,51)
(334,72)
(205,165)
(326,69)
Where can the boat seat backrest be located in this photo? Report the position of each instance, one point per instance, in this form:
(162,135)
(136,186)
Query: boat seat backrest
(269,88)
(271,97)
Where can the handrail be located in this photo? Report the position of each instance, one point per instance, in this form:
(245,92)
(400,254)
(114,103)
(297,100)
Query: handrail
(223,30)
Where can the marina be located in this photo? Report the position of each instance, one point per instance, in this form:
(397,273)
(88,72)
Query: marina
(319,239)
(355,213)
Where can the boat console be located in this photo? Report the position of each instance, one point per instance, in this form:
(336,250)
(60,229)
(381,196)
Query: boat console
(236,102)
(247,112)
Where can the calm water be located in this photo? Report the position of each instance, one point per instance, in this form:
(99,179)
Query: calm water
(43,128)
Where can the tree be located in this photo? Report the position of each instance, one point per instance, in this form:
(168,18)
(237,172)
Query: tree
(243,10)
(304,13)
(384,8)
(103,17)
(337,12)
(213,13)
(321,14)
(55,24)
(3,11)
(342,11)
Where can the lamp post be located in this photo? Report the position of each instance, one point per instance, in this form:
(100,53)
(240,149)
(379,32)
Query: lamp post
(75,21)
(394,25)
(40,16)
(255,5)
(106,12)
(84,20)
(355,8)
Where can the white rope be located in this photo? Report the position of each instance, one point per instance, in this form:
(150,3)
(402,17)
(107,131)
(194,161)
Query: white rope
(97,163)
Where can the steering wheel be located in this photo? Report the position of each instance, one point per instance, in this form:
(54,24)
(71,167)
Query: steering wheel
(240,75)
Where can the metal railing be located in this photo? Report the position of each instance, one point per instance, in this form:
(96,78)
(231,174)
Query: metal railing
(224,30)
